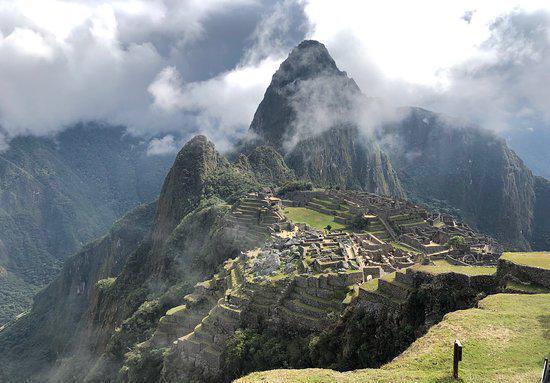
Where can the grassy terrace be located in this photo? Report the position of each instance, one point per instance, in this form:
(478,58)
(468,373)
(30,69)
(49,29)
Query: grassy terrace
(311,217)
(403,247)
(535,259)
(505,340)
(442,266)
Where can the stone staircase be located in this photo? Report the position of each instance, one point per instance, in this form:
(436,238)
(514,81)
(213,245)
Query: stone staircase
(407,222)
(377,228)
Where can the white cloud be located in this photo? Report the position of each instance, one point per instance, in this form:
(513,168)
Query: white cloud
(118,61)
(166,90)
(162,146)
(62,62)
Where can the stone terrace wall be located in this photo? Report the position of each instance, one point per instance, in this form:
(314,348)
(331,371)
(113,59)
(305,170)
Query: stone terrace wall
(537,275)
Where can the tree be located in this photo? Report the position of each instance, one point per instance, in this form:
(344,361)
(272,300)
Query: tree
(458,242)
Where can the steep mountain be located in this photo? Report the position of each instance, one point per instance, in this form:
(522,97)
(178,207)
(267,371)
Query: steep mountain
(332,135)
(57,194)
(443,159)
(110,296)
(310,113)
(59,316)
(541,230)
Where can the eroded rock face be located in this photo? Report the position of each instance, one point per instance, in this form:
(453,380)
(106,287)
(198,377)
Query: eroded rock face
(311,113)
(541,230)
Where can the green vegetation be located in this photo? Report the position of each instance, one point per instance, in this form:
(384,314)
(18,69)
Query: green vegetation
(535,259)
(249,350)
(442,267)
(505,340)
(528,288)
(311,217)
(403,247)
(105,284)
(458,242)
(294,186)
(59,193)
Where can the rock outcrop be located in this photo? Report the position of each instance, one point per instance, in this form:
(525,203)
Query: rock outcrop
(310,113)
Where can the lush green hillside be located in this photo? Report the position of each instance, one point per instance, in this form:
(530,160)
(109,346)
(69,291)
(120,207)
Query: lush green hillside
(505,339)
(57,194)
(110,296)
(445,160)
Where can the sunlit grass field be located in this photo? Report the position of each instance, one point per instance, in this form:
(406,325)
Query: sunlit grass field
(535,259)
(311,217)
(442,266)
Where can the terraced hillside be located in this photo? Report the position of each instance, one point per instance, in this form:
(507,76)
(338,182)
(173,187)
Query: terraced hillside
(253,215)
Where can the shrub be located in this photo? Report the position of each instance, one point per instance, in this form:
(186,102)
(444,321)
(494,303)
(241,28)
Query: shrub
(295,186)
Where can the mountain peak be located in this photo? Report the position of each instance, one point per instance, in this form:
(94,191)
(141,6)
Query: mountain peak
(183,186)
(308,74)
(307,60)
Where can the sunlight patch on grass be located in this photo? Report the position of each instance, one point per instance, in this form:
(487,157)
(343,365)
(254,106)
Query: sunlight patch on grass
(442,266)
(311,217)
(535,258)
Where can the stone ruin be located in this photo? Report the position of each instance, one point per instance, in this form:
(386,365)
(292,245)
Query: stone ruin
(302,278)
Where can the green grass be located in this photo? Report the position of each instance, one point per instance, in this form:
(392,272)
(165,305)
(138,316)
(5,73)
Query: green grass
(442,266)
(403,247)
(505,340)
(371,285)
(311,217)
(526,288)
(535,259)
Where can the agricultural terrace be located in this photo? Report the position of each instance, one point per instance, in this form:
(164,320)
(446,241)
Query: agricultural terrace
(534,259)
(442,266)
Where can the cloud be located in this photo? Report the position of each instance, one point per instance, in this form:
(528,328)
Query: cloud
(157,67)
(162,146)
(166,90)
(182,67)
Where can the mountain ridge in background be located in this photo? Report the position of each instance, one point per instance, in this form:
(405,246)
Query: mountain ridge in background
(432,158)
(58,193)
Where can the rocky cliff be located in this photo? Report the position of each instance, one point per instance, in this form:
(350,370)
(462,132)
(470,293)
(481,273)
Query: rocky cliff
(109,297)
(30,348)
(443,159)
(331,134)
(310,114)
(541,229)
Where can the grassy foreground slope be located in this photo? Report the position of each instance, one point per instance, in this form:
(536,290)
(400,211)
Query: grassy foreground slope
(534,259)
(505,340)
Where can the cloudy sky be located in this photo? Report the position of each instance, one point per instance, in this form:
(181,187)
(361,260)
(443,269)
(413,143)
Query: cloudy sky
(170,68)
